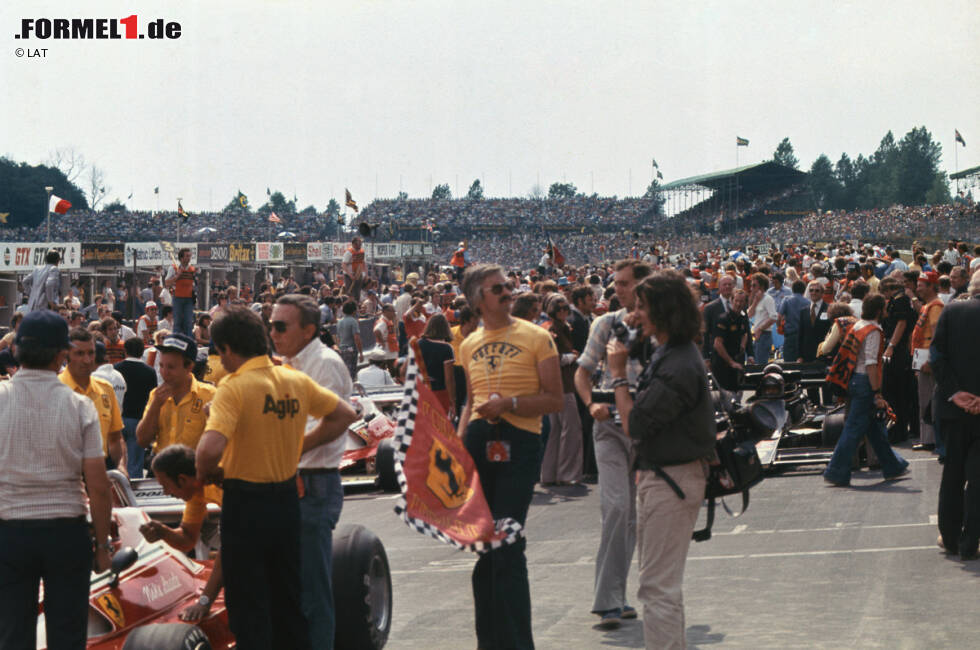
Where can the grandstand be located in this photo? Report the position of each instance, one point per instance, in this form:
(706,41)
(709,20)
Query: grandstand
(745,195)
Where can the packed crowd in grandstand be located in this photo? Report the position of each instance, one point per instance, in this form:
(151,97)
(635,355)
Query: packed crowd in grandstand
(585,229)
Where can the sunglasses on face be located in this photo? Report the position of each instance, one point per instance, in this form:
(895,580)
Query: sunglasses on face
(279,325)
(498,288)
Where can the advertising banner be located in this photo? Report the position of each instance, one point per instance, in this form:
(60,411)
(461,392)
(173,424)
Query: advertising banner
(95,254)
(24,256)
(153,253)
(266,251)
(294,251)
(314,251)
(213,253)
(241,253)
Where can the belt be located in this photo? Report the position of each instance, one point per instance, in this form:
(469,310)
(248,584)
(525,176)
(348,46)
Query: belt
(239,485)
(42,523)
(314,471)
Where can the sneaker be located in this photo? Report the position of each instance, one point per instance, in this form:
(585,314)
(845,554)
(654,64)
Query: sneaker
(948,551)
(628,612)
(610,619)
(834,483)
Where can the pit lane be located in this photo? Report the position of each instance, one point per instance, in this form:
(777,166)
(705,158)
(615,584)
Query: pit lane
(808,566)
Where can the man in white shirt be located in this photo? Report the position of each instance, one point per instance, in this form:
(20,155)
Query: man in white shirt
(403,302)
(762,311)
(295,326)
(105,370)
(375,374)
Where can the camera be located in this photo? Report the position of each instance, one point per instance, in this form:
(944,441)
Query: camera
(881,414)
(623,334)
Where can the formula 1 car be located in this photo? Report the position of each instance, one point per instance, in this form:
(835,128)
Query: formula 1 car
(369,458)
(136,604)
(810,430)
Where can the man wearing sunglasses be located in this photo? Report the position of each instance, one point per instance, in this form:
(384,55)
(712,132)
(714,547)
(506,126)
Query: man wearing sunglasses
(512,378)
(295,325)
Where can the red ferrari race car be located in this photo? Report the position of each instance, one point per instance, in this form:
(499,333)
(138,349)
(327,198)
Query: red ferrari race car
(369,459)
(136,604)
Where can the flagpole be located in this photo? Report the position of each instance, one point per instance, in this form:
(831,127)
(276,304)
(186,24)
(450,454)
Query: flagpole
(179,217)
(47,205)
(956,163)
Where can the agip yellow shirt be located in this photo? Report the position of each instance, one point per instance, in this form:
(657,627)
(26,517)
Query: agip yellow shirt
(182,423)
(505,361)
(104,397)
(261,409)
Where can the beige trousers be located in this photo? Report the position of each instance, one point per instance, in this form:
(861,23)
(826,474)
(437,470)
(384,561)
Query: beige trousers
(664,526)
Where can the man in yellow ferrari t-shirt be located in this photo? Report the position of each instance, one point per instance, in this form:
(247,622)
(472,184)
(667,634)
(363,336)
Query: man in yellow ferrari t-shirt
(512,379)
(257,431)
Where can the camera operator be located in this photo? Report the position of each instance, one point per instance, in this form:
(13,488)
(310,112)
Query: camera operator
(672,422)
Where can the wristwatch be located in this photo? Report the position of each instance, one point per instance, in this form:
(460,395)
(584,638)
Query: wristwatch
(107,547)
(203,601)
(513,404)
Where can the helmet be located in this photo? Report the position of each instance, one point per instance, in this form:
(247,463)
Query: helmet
(771,386)
(773,367)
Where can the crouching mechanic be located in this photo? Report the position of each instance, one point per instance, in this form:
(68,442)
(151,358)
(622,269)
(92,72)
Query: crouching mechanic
(257,431)
(175,470)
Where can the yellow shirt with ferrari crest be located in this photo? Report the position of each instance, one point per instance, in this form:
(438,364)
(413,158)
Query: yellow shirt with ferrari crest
(182,423)
(261,409)
(104,397)
(505,362)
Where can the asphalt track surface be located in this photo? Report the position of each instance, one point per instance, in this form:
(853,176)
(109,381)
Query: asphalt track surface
(808,566)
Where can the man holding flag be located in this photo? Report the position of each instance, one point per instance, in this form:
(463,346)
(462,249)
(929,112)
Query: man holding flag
(512,378)
(180,281)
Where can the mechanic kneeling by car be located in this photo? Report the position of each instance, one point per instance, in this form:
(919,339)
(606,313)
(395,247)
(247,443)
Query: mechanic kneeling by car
(257,430)
(175,470)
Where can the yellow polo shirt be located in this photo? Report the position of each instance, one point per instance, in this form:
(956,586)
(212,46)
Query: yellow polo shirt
(261,409)
(182,423)
(505,362)
(456,342)
(196,508)
(104,397)
(215,370)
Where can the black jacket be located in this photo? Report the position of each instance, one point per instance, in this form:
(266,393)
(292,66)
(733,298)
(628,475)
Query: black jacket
(812,334)
(710,316)
(955,353)
(673,416)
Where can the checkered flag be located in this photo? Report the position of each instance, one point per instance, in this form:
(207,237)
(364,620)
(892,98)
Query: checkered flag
(465,522)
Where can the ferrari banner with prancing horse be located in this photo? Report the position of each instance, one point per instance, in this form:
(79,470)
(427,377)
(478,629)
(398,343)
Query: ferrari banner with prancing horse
(441,492)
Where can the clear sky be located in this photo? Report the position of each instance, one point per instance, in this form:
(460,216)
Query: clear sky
(382,95)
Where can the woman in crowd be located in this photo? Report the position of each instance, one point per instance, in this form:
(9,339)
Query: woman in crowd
(437,356)
(202,330)
(562,462)
(672,420)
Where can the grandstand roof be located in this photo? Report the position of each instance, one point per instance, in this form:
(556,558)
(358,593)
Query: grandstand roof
(749,176)
(966,173)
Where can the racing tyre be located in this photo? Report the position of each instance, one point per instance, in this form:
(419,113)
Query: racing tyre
(361,588)
(833,426)
(385,463)
(167,636)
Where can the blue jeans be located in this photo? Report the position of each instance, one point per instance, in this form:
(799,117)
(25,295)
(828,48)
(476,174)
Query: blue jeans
(58,552)
(319,511)
(501,591)
(184,316)
(134,453)
(861,422)
(763,346)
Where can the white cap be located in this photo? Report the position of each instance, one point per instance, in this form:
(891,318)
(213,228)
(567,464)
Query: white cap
(149,303)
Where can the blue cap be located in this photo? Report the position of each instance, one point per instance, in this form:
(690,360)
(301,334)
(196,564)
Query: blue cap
(43,329)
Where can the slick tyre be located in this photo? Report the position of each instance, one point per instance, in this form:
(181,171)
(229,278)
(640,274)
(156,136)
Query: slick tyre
(385,464)
(361,588)
(167,636)
(833,426)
